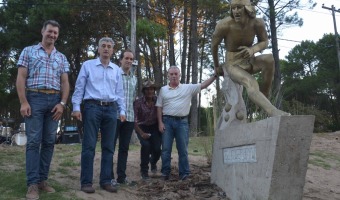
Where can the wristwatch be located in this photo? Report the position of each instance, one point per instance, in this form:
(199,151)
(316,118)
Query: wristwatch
(62,103)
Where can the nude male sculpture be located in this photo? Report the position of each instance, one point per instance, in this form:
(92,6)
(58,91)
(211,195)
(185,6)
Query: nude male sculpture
(238,32)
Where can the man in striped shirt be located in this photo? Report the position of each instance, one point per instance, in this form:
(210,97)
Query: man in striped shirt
(124,129)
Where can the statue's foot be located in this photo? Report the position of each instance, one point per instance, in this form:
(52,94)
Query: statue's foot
(277,112)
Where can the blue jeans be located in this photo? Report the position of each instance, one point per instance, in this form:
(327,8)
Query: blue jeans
(95,118)
(41,132)
(123,132)
(150,146)
(177,129)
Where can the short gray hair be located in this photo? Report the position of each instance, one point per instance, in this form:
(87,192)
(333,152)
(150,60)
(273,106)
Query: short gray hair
(106,39)
(174,67)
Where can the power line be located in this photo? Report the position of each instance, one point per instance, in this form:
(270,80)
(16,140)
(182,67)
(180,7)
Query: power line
(289,40)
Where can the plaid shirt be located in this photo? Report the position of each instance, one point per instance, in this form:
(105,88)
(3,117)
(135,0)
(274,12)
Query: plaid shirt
(43,71)
(130,86)
(145,114)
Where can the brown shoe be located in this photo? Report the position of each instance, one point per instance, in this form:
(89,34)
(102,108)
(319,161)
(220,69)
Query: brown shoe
(87,189)
(32,192)
(109,188)
(43,185)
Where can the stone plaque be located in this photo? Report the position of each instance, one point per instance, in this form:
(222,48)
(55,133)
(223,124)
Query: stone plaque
(240,154)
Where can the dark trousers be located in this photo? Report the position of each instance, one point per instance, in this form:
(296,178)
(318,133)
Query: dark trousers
(123,133)
(150,146)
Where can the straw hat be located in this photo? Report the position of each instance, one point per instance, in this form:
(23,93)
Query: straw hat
(149,84)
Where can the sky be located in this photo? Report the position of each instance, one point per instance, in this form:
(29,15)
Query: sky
(317,22)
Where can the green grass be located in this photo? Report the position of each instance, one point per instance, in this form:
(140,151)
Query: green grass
(62,170)
(69,162)
(13,185)
(320,163)
(13,175)
(198,146)
(322,159)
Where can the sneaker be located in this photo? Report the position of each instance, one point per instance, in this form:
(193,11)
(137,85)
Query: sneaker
(32,192)
(145,176)
(127,182)
(109,187)
(87,189)
(114,183)
(43,185)
(154,169)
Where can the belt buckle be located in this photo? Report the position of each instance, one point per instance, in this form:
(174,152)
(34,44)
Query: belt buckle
(104,103)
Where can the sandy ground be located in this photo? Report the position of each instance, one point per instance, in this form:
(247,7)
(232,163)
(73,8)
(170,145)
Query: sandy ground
(324,183)
(321,184)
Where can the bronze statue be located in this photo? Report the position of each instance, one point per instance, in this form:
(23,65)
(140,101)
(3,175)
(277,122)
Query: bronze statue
(238,32)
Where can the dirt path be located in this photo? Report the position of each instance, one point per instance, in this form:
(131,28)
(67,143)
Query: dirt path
(322,180)
(324,183)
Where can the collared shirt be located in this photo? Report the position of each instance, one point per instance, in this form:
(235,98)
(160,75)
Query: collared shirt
(145,114)
(100,83)
(177,101)
(129,84)
(43,70)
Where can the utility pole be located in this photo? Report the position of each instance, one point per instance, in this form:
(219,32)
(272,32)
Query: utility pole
(335,30)
(133,34)
(133,26)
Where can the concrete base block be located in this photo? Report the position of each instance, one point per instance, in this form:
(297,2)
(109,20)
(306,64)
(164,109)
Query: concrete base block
(263,160)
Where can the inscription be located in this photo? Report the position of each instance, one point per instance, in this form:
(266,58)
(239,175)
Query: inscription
(239,154)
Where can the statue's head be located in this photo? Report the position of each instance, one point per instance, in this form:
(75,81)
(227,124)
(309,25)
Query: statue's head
(249,7)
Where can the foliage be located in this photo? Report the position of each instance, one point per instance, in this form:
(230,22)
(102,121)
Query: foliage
(150,30)
(278,14)
(322,121)
(311,82)
(284,11)
(207,120)
(81,29)
(310,75)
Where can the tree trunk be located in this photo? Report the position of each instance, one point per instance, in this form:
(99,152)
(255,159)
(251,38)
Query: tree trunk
(194,57)
(171,44)
(189,59)
(277,75)
(185,42)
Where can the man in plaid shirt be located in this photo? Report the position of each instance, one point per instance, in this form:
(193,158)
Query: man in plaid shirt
(124,129)
(43,88)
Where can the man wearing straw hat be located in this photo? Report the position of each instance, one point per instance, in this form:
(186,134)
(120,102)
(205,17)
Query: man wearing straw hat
(146,127)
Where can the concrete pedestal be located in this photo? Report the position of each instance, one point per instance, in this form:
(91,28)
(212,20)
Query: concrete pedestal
(263,160)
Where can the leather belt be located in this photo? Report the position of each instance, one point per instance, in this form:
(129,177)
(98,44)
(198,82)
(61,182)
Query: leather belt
(101,103)
(175,117)
(45,91)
